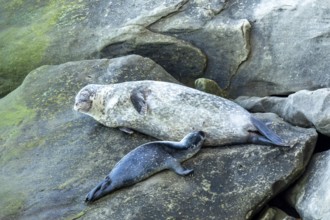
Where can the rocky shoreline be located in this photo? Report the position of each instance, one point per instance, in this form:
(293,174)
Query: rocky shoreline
(271,57)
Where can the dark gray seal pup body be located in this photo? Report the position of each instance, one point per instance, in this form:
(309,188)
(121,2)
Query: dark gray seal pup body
(147,160)
(168,111)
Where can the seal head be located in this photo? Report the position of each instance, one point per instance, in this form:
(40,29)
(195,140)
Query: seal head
(84,98)
(147,160)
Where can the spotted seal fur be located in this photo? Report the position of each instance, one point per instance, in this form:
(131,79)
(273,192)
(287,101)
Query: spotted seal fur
(168,111)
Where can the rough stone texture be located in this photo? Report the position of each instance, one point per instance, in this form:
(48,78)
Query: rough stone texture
(257,47)
(289,46)
(130,68)
(311,195)
(51,157)
(273,213)
(34,33)
(303,108)
(277,55)
(179,58)
(224,41)
(43,142)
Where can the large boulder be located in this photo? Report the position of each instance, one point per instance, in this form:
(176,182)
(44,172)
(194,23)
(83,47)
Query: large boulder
(311,195)
(286,56)
(303,108)
(42,139)
(51,156)
(254,47)
(225,41)
(34,33)
(257,47)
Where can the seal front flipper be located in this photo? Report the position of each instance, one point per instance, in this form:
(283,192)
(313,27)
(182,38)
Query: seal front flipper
(178,169)
(269,137)
(126,130)
(139,98)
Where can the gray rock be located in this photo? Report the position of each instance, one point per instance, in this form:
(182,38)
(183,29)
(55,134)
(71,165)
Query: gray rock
(303,108)
(224,41)
(250,47)
(209,86)
(274,56)
(285,55)
(51,157)
(42,140)
(130,68)
(184,61)
(37,33)
(311,195)
(273,213)
(231,182)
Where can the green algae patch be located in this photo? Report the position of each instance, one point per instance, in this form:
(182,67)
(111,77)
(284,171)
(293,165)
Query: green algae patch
(76,216)
(16,118)
(15,152)
(24,43)
(10,204)
(14,115)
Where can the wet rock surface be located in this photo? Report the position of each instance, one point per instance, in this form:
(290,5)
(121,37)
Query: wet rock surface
(311,196)
(304,108)
(51,157)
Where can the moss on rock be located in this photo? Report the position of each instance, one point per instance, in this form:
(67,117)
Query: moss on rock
(24,43)
(209,86)
(11,206)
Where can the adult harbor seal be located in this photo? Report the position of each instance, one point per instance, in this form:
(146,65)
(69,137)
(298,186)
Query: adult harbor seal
(168,111)
(147,160)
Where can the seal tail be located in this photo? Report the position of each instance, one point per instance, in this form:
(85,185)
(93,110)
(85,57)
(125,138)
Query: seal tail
(269,136)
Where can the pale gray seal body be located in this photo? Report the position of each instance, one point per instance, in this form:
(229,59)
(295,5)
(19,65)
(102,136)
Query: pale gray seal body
(168,111)
(147,160)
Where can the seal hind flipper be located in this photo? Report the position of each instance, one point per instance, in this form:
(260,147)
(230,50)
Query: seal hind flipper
(90,195)
(139,100)
(103,188)
(255,138)
(269,137)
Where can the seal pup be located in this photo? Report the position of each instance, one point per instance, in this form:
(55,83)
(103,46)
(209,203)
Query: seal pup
(147,160)
(168,111)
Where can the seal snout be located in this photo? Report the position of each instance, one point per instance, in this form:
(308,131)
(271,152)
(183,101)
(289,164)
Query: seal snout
(76,107)
(202,134)
(83,101)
